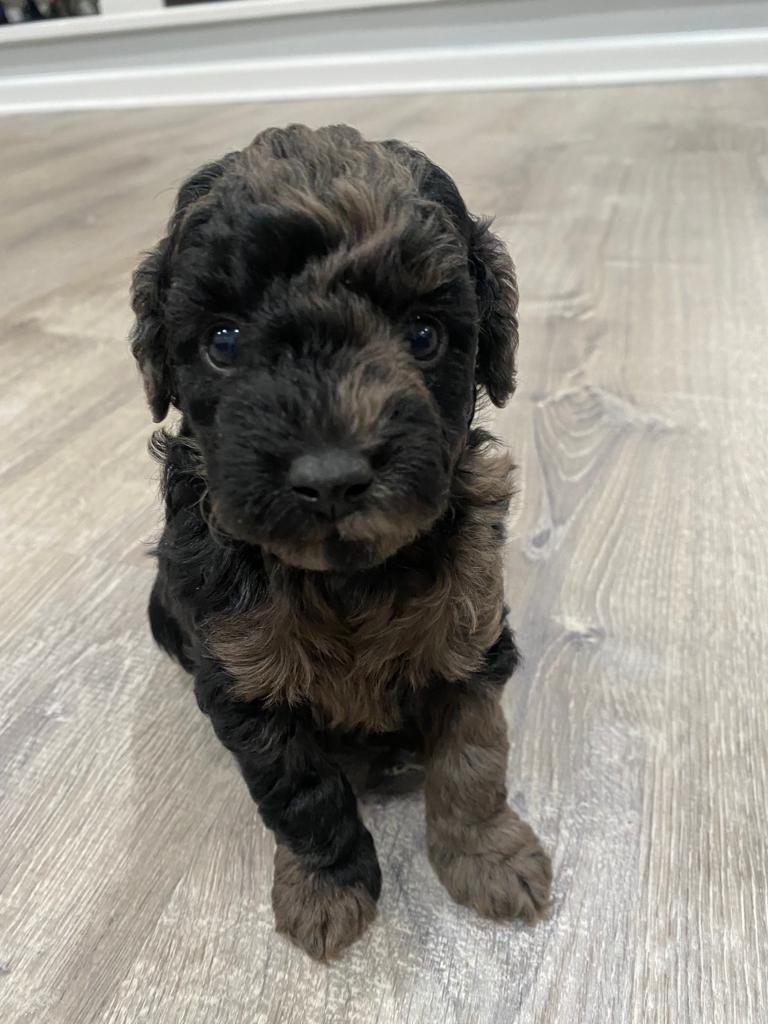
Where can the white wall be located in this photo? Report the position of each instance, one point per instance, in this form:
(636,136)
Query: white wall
(272,48)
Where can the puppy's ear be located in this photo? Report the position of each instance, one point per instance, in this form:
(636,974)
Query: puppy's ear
(150,285)
(148,341)
(497,298)
(492,270)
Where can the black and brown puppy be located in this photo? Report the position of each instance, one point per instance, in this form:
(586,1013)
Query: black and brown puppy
(323,311)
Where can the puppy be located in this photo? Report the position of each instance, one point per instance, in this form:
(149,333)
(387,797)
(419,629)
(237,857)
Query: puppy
(323,312)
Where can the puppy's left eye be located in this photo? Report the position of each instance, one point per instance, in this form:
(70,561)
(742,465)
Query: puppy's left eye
(221,346)
(424,339)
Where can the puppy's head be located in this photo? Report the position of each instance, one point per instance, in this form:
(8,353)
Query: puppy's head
(322,311)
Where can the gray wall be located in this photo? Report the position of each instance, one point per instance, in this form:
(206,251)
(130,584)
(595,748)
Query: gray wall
(453,23)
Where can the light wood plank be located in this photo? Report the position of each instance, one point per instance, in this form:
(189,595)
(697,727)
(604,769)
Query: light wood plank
(134,875)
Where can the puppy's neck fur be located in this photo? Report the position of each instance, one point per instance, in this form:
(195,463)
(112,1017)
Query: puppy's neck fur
(353,647)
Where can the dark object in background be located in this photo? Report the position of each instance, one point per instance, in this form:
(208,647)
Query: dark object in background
(31,11)
(323,312)
(41,10)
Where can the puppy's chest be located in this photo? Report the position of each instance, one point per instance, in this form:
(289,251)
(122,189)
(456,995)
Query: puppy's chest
(356,668)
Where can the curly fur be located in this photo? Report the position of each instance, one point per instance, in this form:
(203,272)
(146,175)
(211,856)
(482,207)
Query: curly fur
(379,633)
(320,916)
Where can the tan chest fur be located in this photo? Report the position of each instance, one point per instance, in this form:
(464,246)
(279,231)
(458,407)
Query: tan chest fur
(353,668)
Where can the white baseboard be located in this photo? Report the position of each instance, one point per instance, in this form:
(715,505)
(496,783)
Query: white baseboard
(388,68)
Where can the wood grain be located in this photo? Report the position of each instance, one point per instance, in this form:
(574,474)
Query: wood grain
(134,873)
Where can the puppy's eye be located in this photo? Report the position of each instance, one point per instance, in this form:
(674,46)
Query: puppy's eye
(424,339)
(221,346)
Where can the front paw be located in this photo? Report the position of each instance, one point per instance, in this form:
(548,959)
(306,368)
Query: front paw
(318,915)
(497,868)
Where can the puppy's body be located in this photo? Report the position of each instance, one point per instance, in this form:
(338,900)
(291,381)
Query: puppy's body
(322,311)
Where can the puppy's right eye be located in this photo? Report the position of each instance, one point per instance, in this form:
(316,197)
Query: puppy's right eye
(423,338)
(221,346)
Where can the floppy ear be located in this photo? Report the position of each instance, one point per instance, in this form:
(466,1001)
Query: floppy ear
(497,299)
(150,285)
(148,342)
(492,270)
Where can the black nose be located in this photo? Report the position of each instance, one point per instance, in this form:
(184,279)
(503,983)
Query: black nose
(333,481)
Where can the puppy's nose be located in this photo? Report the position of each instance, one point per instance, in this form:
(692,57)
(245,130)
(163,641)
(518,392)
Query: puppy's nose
(333,481)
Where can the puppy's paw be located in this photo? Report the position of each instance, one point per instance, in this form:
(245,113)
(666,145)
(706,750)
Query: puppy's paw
(319,916)
(497,868)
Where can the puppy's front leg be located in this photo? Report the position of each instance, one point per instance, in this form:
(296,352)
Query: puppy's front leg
(327,878)
(485,856)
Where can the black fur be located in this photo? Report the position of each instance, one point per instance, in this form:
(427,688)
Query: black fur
(301,793)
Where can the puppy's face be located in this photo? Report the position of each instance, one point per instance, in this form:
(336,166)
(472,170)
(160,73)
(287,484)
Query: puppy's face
(322,311)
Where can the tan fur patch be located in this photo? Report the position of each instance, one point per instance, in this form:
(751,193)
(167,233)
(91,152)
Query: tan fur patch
(353,669)
(360,184)
(380,371)
(301,555)
(485,856)
(499,869)
(320,917)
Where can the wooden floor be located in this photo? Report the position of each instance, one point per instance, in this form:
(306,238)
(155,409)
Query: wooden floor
(134,872)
